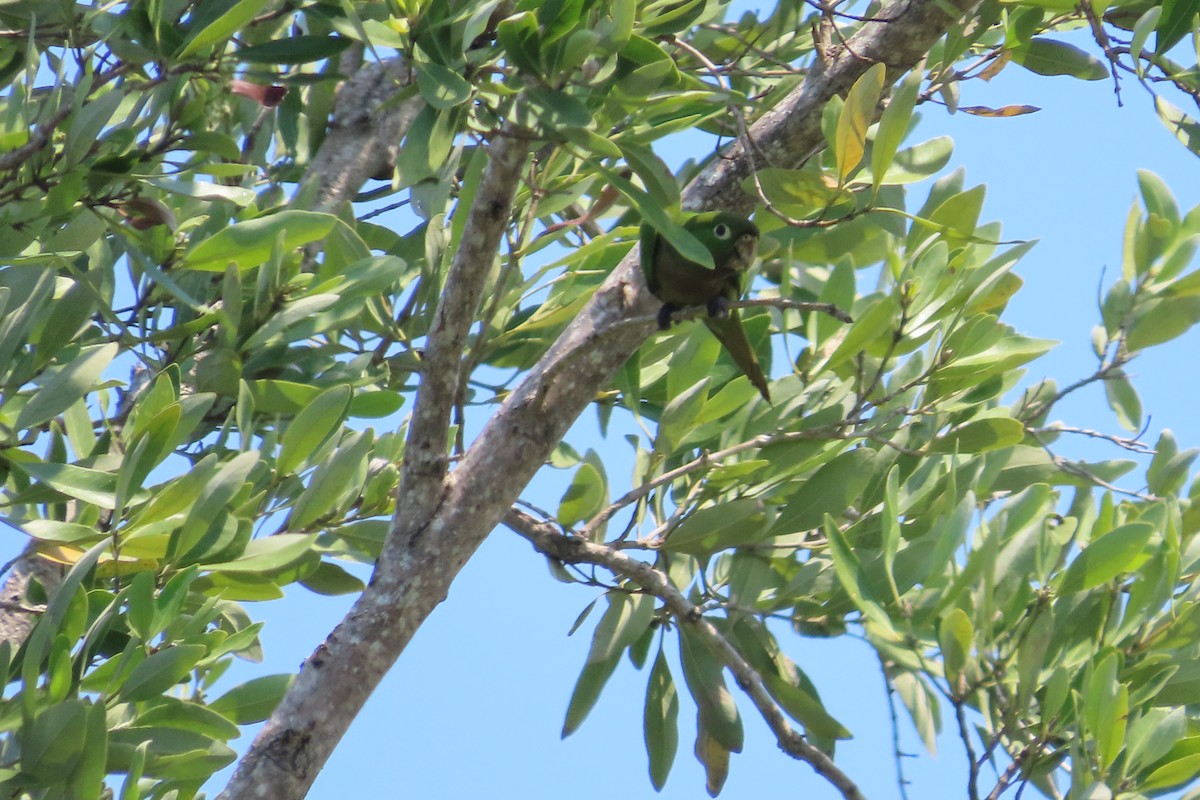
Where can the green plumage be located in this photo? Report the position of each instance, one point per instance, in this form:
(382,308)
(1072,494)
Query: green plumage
(680,283)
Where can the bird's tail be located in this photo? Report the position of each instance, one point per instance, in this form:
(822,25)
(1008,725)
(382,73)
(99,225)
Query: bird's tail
(732,335)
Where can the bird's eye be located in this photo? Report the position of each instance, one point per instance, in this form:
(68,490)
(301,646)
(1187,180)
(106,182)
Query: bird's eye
(721,231)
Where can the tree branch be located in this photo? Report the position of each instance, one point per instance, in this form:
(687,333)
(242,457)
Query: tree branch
(431,539)
(413,571)
(573,550)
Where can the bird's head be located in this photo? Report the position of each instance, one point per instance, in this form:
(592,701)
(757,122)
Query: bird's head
(727,234)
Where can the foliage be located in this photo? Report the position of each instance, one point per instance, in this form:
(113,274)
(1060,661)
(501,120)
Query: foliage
(195,339)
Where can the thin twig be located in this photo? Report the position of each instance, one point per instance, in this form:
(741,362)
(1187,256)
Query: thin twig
(964,733)
(1076,469)
(1132,444)
(897,754)
(1101,37)
(572,549)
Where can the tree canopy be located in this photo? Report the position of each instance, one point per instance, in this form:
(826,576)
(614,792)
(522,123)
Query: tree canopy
(298,292)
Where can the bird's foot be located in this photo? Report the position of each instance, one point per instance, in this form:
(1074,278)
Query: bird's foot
(664,316)
(718,306)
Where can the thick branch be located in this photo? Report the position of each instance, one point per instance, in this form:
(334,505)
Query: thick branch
(365,133)
(413,572)
(574,550)
(17,616)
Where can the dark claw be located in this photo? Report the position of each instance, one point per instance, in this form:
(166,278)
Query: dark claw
(718,306)
(664,316)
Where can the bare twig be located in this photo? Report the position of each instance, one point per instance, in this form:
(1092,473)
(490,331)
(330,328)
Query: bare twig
(1083,472)
(964,732)
(897,753)
(1134,445)
(1101,37)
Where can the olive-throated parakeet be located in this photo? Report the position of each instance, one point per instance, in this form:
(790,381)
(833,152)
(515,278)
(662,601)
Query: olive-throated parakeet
(679,283)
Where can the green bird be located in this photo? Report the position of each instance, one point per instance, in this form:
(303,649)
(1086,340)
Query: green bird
(679,283)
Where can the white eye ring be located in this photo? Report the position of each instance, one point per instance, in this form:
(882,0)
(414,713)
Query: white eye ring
(721,231)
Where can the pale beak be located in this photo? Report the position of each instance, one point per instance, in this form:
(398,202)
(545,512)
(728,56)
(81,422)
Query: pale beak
(747,249)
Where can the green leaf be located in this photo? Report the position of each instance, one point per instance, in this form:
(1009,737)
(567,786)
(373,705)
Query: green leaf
(1052,57)
(1121,550)
(254,700)
(798,192)
(89,485)
(922,706)
(852,577)
(856,116)
(87,123)
(980,436)
(1124,400)
(161,671)
(440,86)
(338,480)
(88,776)
(584,497)
(1175,772)
(294,314)
(51,530)
(329,579)
(1162,320)
(1106,709)
(660,219)
(734,523)
(702,673)
(131,789)
(660,721)
(624,621)
(209,509)
(521,40)
(893,124)
(869,326)
(281,397)
(211,31)
(312,427)
(920,161)
(1141,32)
(653,171)
(54,740)
(1031,655)
(1176,22)
(141,605)
(268,554)
(560,111)
(587,691)
(1153,735)
(203,190)
(248,244)
(172,712)
(1186,129)
(955,636)
(64,387)
(830,490)
(1169,467)
(679,416)
(303,49)
(1157,197)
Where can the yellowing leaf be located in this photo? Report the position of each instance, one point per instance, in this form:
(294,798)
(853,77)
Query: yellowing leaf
(857,115)
(1003,111)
